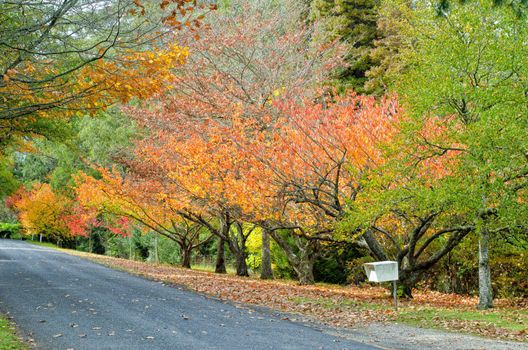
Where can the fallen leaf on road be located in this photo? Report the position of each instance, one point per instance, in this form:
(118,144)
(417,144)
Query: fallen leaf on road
(346,307)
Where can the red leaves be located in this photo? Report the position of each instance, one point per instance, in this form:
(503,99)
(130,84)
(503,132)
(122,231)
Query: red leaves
(249,165)
(80,220)
(121,226)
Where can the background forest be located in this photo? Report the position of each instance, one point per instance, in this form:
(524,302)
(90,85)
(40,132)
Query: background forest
(291,139)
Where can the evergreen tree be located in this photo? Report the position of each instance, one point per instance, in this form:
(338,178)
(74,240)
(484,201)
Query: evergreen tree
(353,22)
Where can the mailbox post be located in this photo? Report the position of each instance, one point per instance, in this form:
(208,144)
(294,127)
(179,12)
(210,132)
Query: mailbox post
(383,271)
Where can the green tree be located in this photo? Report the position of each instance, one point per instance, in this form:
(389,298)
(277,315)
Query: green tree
(8,183)
(468,79)
(354,22)
(88,140)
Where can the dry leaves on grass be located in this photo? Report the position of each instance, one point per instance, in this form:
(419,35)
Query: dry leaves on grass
(482,328)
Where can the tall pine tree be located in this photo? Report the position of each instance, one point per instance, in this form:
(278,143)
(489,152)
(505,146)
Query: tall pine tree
(353,22)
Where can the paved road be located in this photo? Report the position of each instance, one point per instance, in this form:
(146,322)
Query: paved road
(64,302)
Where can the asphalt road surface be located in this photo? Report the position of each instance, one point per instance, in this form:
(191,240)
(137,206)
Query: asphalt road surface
(64,302)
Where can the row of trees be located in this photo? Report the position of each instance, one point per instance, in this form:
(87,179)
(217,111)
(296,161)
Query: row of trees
(251,136)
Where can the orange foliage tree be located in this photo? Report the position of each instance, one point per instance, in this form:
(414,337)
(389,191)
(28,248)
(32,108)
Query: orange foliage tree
(143,200)
(230,73)
(175,182)
(249,54)
(294,170)
(58,217)
(120,50)
(315,155)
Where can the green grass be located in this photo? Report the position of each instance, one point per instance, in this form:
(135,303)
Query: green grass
(509,319)
(211,268)
(43,244)
(8,337)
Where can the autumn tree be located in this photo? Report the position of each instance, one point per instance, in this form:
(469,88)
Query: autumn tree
(249,54)
(199,178)
(297,175)
(331,166)
(41,212)
(61,57)
(294,177)
(143,203)
(313,158)
(57,217)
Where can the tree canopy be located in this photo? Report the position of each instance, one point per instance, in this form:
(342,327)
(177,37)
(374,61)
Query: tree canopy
(345,131)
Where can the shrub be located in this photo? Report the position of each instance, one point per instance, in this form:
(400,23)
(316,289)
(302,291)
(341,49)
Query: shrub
(9,230)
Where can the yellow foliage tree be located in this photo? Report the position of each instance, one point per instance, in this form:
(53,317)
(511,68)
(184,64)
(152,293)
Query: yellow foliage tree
(41,212)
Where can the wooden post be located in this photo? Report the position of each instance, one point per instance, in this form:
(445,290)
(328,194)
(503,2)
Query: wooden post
(395,295)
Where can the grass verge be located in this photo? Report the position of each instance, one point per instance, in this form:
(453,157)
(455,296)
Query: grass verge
(43,244)
(8,338)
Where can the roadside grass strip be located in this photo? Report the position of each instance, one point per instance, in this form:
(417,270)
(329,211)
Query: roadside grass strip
(8,338)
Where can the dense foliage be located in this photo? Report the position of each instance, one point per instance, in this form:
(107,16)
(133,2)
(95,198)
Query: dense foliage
(299,142)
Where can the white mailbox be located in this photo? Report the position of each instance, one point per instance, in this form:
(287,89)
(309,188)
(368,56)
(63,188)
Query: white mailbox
(382,271)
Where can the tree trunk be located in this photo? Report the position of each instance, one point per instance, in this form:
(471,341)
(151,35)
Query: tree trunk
(304,270)
(237,245)
(241,265)
(374,246)
(302,261)
(130,248)
(407,282)
(485,289)
(220,257)
(186,259)
(265,271)
(240,257)
(306,258)
(156,251)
